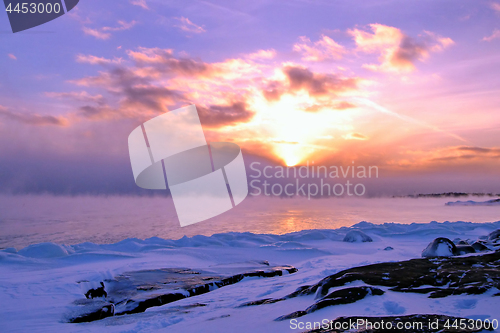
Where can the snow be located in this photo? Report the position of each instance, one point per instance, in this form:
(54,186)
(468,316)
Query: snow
(40,284)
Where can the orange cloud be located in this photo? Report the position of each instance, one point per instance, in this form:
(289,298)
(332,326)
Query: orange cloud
(323,49)
(13,57)
(398,52)
(355,136)
(262,54)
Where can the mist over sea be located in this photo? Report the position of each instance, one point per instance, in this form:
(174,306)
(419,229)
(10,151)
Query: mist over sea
(30,219)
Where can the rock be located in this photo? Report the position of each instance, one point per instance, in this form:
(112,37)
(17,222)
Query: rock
(389,248)
(337,297)
(137,291)
(494,235)
(464,249)
(441,277)
(357,236)
(101,313)
(369,324)
(456,240)
(97,292)
(463,242)
(480,247)
(440,247)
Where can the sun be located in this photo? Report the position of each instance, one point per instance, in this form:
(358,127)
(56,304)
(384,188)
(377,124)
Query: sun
(293,133)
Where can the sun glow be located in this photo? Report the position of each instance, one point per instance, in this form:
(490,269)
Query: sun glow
(295,134)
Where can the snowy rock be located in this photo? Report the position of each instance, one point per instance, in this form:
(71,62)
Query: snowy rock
(440,247)
(356,236)
(389,248)
(494,235)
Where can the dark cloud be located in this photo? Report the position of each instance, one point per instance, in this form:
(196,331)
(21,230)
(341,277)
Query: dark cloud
(220,115)
(478,149)
(164,61)
(33,118)
(315,84)
(470,153)
(138,94)
(408,52)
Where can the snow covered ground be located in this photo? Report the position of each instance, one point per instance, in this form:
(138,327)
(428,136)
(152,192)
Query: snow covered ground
(39,284)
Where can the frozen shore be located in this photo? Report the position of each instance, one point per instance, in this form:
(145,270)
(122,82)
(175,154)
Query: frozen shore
(43,286)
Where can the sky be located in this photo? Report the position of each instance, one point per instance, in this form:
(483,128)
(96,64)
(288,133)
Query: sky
(412,87)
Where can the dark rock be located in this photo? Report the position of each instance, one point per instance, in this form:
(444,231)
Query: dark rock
(389,248)
(337,297)
(437,277)
(104,312)
(463,242)
(440,247)
(480,247)
(494,235)
(357,236)
(260,302)
(456,240)
(97,292)
(464,249)
(418,323)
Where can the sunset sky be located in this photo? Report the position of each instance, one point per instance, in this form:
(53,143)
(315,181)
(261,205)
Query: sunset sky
(410,86)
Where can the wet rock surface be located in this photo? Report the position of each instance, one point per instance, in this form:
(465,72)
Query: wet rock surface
(134,292)
(430,323)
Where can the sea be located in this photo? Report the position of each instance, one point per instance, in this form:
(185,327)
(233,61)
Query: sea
(32,219)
